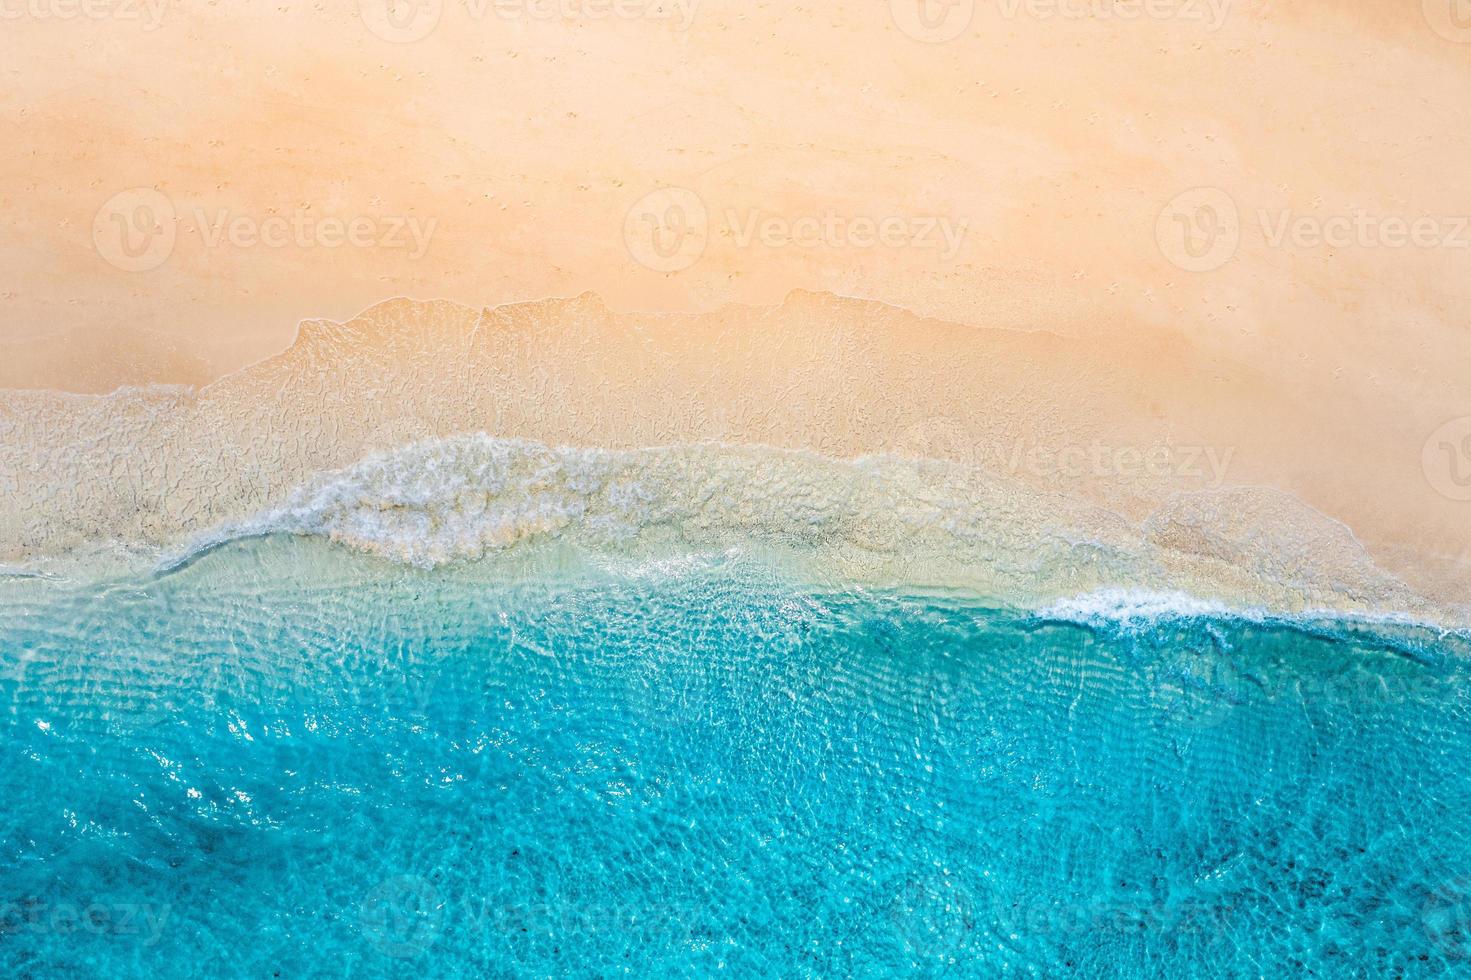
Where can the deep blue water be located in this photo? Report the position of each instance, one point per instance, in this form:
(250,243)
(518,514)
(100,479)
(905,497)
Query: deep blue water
(412,773)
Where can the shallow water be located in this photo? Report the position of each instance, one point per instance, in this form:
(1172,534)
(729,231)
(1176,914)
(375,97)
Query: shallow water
(253,768)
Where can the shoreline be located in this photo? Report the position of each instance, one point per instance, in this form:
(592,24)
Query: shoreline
(871,521)
(282,561)
(1185,447)
(1039,417)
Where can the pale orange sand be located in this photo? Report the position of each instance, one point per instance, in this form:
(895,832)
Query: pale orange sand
(1164,247)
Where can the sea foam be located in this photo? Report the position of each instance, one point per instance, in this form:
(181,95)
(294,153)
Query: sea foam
(877,519)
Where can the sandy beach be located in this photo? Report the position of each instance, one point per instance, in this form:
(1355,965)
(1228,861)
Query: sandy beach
(1089,249)
(945,488)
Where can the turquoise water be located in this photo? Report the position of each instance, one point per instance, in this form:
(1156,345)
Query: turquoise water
(251,768)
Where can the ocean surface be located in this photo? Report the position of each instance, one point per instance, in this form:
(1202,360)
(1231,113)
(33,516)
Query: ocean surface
(285,760)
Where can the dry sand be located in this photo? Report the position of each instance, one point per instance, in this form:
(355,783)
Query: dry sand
(1233,232)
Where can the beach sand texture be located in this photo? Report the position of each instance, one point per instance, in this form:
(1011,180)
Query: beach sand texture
(1173,260)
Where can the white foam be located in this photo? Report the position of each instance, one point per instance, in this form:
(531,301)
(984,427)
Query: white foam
(467,496)
(1135,608)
